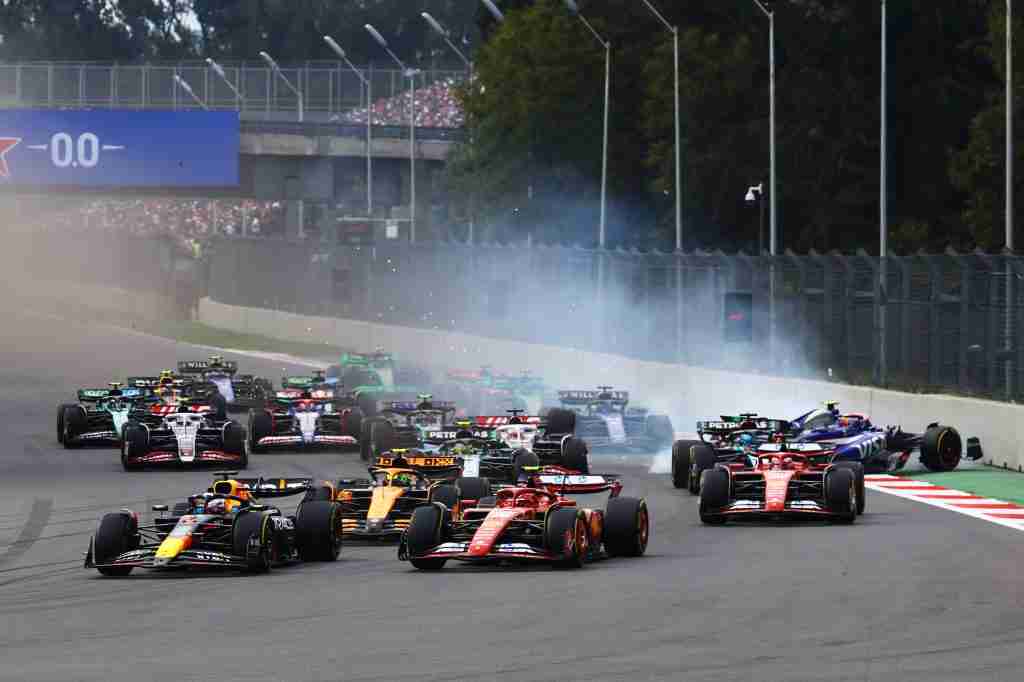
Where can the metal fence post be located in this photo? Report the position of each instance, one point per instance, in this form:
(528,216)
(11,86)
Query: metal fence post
(963,376)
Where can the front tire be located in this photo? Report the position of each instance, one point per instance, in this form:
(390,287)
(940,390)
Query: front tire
(941,448)
(566,536)
(840,495)
(249,525)
(235,443)
(858,478)
(522,460)
(714,496)
(626,527)
(116,535)
(134,443)
(702,458)
(74,424)
(473,488)
(425,532)
(682,451)
(261,425)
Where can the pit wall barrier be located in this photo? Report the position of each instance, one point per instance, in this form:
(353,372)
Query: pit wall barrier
(686,393)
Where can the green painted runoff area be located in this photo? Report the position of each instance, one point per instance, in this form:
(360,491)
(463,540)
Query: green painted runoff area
(986,481)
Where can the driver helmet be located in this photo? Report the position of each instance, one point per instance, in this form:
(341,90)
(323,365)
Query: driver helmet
(461,448)
(526,500)
(404,480)
(217,506)
(778,438)
(746,441)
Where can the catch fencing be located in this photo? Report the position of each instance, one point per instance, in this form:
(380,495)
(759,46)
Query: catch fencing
(328,89)
(948,322)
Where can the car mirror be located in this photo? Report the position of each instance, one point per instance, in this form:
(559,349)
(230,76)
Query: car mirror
(160,507)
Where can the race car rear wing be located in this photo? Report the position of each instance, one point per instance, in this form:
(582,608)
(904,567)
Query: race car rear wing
(142,382)
(417,460)
(407,406)
(587,397)
(92,395)
(203,366)
(731,424)
(558,480)
(266,487)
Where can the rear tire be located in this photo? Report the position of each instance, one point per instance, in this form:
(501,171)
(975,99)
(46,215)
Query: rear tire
(376,436)
(115,536)
(941,448)
(564,532)
(840,495)
(575,456)
(425,532)
(473,488)
(318,530)
(681,464)
(60,419)
(626,527)
(521,460)
(702,458)
(352,423)
(560,421)
(714,496)
(660,431)
(448,495)
(858,478)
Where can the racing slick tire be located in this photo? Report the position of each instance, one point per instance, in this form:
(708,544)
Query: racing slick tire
(566,536)
(682,451)
(473,488)
(319,493)
(941,448)
(714,494)
(858,478)
(117,534)
(560,421)
(318,530)
(248,525)
(840,495)
(702,458)
(219,406)
(575,455)
(448,495)
(72,425)
(521,460)
(659,431)
(425,532)
(352,423)
(376,435)
(134,442)
(60,420)
(626,527)
(261,425)
(235,443)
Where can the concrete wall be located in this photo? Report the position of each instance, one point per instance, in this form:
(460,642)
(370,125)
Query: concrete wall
(686,393)
(279,144)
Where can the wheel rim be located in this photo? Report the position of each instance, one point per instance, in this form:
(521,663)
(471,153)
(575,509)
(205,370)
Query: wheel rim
(643,523)
(582,540)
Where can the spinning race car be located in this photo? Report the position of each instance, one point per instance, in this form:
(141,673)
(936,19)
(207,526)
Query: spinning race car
(529,523)
(225,527)
(604,420)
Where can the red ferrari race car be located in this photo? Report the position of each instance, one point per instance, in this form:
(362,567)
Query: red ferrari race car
(789,481)
(533,522)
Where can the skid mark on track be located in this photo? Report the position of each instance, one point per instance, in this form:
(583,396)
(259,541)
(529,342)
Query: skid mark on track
(31,531)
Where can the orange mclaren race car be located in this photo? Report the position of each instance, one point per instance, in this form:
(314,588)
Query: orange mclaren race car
(382,505)
(224,527)
(534,522)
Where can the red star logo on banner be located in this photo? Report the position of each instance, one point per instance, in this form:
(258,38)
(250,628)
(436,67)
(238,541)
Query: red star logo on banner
(6,144)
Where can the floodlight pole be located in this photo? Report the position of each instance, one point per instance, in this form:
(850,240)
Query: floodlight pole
(369,120)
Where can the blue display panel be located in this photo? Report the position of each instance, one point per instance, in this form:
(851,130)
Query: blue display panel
(116,148)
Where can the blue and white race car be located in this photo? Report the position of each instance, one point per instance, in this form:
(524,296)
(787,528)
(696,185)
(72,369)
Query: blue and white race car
(849,437)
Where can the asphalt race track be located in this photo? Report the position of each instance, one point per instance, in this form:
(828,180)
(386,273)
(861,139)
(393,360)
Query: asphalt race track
(908,593)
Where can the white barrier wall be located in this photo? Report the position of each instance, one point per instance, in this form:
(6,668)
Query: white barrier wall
(686,393)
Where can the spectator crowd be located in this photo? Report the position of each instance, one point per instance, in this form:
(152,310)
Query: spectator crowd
(436,107)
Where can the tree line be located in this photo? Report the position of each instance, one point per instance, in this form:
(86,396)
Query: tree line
(535,108)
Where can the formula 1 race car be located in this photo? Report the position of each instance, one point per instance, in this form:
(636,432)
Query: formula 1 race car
(528,523)
(225,528)
(375,380)
(788,481)
(483,391)
(100,415)
(603,419)
(303,418)
(241,391)
(406,424)
(192,435)
(381,506)
(851,436)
